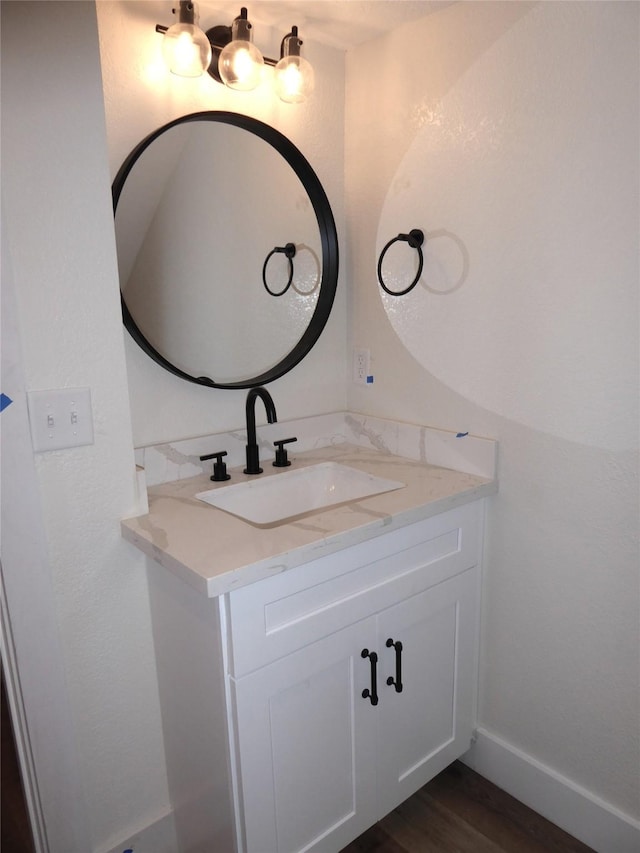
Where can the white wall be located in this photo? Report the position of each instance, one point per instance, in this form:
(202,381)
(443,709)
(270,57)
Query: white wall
(509,133)
(60,246)
(32,660)
(139,97)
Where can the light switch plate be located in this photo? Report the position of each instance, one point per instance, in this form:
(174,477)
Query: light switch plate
(60,418)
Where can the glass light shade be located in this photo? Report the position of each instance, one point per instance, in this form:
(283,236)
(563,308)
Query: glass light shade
(294,79)
(186,50)
(240,65)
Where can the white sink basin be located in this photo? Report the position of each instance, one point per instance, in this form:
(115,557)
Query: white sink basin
(280,497)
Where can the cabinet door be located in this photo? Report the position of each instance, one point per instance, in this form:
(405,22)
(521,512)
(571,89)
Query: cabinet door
(429,723)
(306,746)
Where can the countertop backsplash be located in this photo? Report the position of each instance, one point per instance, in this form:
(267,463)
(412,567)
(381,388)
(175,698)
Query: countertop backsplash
(163,463)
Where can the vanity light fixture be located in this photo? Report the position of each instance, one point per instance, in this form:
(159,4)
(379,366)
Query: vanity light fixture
(233,59)
(185,48)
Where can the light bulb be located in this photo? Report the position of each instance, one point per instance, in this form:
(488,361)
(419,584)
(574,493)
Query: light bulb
(294,79)
(185,47)
(240,63)
(186,50)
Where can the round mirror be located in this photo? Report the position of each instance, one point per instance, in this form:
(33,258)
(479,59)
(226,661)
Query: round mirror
(227,250)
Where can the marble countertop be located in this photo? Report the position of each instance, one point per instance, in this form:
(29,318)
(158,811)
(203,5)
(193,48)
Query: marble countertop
(217,552)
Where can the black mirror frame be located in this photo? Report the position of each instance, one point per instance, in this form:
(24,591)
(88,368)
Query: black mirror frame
(328,239)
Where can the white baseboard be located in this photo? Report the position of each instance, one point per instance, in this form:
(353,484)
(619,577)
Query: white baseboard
(574,809)
(158,837)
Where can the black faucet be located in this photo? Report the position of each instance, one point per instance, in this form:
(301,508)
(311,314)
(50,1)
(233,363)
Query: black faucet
(253,456)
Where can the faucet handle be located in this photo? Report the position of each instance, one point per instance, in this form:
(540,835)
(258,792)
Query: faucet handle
(219,467)
(281,460)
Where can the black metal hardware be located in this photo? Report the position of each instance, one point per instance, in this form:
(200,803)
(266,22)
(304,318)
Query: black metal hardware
(415,238)
(291,44)
(397,681)
(252,451)
(281,460)
(372,694)
(186,15)
(289,251)
(219,467)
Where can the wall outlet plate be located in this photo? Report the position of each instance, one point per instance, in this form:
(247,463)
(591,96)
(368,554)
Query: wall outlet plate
(361,365)
(60,418)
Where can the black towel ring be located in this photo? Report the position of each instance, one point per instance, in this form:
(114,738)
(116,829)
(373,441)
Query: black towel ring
(415,238)
(289,251)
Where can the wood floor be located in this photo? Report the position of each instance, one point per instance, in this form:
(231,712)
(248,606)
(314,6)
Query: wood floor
(460,812)
(15,835)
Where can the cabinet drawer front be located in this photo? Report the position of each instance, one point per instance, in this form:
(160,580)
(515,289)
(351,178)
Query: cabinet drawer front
(274,617)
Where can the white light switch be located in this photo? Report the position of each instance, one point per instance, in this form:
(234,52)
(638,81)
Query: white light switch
(60,418)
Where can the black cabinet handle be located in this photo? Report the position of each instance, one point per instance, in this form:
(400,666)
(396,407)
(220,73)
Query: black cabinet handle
(397,681)
(372,694)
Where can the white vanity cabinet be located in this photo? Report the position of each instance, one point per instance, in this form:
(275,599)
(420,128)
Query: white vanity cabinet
(327,740)
(273,742)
